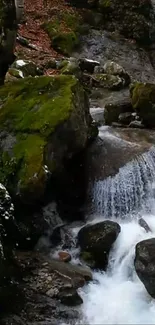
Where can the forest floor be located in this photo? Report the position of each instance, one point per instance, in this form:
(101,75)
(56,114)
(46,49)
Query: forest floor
(36,12)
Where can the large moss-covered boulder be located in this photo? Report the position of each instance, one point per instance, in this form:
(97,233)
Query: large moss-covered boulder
(132,18)
(44,121)
(143,101)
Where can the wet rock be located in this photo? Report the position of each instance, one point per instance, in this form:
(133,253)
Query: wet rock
(24,68)
(113,68)
(70,297)
(97,239)
(88,65)
(53,279)
(10,228)
(64,256)
(143,101)
(8,234)
(107,81)
(125,118)
(106,46)
(87,258)
(72,68)
(145,264)
(144,225)
(136,124)
(117,125)
(114,109)
(97,115)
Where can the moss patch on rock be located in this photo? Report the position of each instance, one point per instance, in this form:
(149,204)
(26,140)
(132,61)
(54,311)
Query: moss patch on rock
(64,31)
(108,81)
(143,101)
(31,110)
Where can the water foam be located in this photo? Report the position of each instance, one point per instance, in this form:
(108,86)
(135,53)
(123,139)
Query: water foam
(117,296)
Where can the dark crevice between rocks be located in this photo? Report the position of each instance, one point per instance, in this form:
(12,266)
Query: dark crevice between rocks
(70,188)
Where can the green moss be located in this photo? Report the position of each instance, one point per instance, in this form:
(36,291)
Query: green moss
(29,150)
(108,81)
(64,32)
(15,73)
(72,68)
(88,258)
(65,43)
(103,4)
(143,101)
(34,104)
(31,109)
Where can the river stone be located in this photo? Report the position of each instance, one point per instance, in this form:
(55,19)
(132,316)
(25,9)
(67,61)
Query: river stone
(64,256)
(136,124)
(70,297)
(125,118)
(115,108)
(107,81)
(145,264)
(54,278)
(97,239)
(24,68)
(143,101)
(88,65)
(72,68)
(113,68)
(144,225)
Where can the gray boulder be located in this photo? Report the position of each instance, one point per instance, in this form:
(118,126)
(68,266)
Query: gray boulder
(145,264)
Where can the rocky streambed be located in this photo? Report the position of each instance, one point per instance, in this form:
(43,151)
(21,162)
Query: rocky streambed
(77,169)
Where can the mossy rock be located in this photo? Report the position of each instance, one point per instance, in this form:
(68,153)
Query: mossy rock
(114,109)
(43,121)
(143,101)
(65,43)
(72,68)
(24,68)
(107,81)
(64,31)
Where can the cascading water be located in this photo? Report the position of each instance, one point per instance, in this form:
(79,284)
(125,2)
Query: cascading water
(117,296)
(129,191)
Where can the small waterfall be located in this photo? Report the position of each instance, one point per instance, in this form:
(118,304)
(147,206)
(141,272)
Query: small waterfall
(129,191)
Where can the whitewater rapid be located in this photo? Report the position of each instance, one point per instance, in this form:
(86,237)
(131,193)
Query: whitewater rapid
(117,296)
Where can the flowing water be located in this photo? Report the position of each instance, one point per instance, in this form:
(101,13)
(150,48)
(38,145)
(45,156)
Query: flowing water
(117,296)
